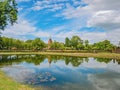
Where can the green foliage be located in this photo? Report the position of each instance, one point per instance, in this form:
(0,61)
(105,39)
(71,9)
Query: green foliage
(15,44)
(80,46)
(57,45)
(38,44)
(103,45)
(8,13)
(75,43)
(28,45)
(67,42)
(0,42)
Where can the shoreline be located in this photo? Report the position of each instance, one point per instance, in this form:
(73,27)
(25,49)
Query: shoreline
(7,83)
(96,55)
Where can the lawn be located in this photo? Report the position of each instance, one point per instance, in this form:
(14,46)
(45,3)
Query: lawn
(7,83)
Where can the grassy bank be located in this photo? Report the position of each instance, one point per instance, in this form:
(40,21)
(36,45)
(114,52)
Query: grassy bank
(99,55)
(7,83)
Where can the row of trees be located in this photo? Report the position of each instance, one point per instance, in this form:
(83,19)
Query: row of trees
(78,44)
(74,43)
(15,44)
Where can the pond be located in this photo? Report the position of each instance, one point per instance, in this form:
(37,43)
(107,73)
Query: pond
(62,72)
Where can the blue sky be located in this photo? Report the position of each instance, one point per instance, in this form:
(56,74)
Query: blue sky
(92,20)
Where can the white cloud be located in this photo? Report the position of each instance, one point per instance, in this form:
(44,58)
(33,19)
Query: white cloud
(103,14)
(94,64)
(37,8)
(99,11)
(97,5)
(114,36)
(51,5)
(108,20)
(71,12)
(19,9)
(42,33)
(23,0)
(76,2)
(114,67)
(20,29)
(106,81)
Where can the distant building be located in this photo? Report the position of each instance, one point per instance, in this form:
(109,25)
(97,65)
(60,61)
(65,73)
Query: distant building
(49,43)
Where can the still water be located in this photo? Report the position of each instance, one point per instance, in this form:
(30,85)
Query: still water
(63,73)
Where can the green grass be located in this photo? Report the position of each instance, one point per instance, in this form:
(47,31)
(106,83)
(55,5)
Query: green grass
(7,83)
(99,55)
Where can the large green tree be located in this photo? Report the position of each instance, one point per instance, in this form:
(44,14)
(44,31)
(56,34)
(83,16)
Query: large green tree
(86,45)
(76,41)
(8,13)
(67,42)
(57,45)
(103,45)
(38,44)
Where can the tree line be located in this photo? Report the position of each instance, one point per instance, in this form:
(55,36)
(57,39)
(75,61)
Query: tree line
(78,44)
(16,44)
(74,43)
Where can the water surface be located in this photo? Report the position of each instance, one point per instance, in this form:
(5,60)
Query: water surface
(63,73)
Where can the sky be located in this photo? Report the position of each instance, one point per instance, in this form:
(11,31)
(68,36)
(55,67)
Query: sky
(93,20)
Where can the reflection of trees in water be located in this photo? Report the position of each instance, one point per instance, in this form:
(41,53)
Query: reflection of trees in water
(38,59)
(9,60)
(75,61)
(107,60)
(118,61)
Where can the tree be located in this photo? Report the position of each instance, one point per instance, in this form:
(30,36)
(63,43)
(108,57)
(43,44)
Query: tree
(67,42)
(5,42)
(8,13)
(86,42)
(38,44)
(18,44)
(28,44)
(57,45)
(75,40)
(103,45)
(1,42)
(80,46)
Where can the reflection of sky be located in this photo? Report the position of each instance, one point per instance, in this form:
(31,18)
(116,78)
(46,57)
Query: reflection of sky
(89,75)
(106,81)
(94,64)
